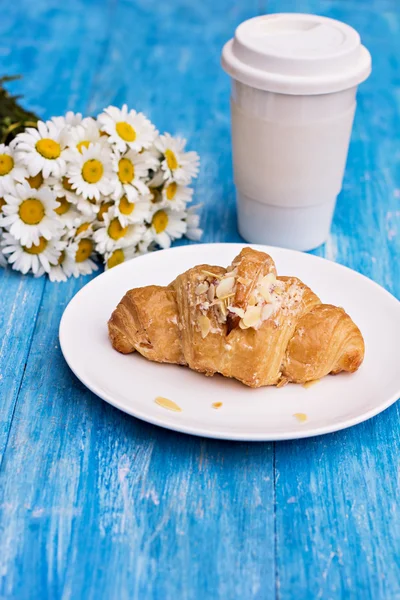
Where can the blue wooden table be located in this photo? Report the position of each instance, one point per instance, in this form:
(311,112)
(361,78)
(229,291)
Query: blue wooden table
(97,505)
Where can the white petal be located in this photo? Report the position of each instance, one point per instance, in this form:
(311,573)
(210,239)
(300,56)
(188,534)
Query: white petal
(35,263)
(35,165)
(46,169)
(42,129)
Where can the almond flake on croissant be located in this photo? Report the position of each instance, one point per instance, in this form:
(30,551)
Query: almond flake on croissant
(244,322)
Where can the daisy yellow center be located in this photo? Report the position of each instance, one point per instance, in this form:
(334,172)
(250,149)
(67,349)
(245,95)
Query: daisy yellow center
(126,170)
(126,207)
(82,228)
(171,190)
(67,185)
(2,203)
(83,144)
(6,164)
(116,258)
(31,211)
(48,148)
(64,206)
(103,209)
(115,230)
(160,221)
(61,257)
(171,159)
(36,248)
(125,131)
(92,170)
(85,249)
(36,181)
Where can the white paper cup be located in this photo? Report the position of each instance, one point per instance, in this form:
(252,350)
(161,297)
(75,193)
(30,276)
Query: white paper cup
(294,83)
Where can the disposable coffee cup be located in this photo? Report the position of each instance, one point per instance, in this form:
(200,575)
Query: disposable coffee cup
(294,84)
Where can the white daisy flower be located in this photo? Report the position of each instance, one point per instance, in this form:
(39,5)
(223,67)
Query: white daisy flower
(38,258)
(131,169)
(167,225)
(10,171)
(83,135)
(178,165)
(29,214)
(70,119)
(36,181)
(82,228)
(103,210)
(42,149)
(193,220)
(66,212)
(77,259)
(57,272)
(127,129)
(176,196)
(62,188)
(88,208)
(132,212)
(147,243)
(113,235)
(90,171)
(118,256)
(68,201)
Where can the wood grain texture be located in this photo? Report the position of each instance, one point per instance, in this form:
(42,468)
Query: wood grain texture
(50,87)
(106,502)
(95,504)
(19,296)
(99,499)
(337,508)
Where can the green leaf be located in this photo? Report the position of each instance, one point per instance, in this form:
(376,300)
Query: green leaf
(13,117)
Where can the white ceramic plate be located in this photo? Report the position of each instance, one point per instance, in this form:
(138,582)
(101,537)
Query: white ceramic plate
(132,383)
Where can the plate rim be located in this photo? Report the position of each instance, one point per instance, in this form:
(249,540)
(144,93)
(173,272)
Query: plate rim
(222,435)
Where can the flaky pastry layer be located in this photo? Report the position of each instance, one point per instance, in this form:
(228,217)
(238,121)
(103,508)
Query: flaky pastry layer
(244,322)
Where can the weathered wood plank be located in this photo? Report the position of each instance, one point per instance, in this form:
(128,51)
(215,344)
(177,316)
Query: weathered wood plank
(20,299)
(94,503)
(57,76)
(108,505)
(175,77)
(103,501)
(337,515)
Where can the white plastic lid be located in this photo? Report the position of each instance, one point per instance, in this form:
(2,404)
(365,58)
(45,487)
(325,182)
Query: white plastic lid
(296,54)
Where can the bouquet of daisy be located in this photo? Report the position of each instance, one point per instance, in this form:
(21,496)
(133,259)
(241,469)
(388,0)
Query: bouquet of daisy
(77,190)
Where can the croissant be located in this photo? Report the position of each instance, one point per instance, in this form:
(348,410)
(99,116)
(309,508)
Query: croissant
(244,322)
